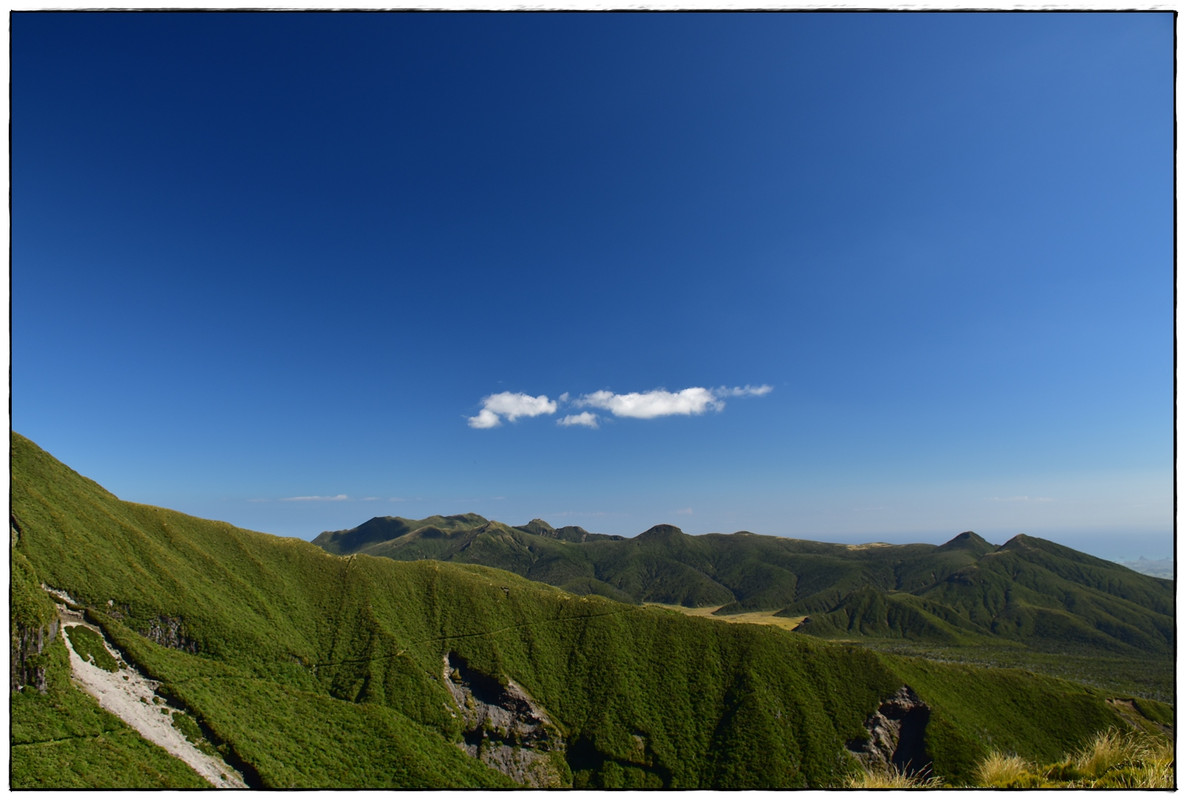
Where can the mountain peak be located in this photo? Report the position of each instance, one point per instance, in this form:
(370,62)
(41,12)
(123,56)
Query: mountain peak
(968,540)
(1019,542)
(661,532)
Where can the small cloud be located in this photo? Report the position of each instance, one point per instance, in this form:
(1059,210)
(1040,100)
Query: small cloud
(586,418)
(686,512)
(692,401)
(745,391)
(510,406)
(656,403)
(337,498)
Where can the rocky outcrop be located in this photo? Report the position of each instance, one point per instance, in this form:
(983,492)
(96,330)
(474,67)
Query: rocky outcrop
(504,727)
(34,626)
(27,645)
(896,732)
(170,632)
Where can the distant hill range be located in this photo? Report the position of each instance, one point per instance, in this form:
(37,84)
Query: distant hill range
(306,670)
(1030,590)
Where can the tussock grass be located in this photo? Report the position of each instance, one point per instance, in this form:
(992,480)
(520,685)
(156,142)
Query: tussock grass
(1108,750)
(1111,760)
(1126,760)
(1005,771)
(888,777)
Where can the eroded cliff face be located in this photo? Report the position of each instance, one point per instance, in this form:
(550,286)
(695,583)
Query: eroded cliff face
(27,644)
(34,627)
(504,727)
(169,632)
(896,732)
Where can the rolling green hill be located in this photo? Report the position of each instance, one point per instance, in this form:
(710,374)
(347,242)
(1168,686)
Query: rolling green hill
(964,592)
(304,668)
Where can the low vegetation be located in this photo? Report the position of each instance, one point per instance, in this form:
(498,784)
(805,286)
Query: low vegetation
(1111,760)
(968,593)
(89,646)
(747,617)
(312,670)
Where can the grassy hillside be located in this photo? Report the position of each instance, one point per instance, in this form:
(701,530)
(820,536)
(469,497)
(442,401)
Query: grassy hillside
(308,669)
(964,592)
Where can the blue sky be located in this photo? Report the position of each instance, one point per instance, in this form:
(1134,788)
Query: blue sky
(846,277)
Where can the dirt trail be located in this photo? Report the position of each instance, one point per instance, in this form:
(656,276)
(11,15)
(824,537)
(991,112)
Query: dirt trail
(132,697)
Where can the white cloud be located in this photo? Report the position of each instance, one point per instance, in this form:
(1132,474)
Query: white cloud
(662,403)
(585,418)
(485,419)
(694,400)
(337,498)
(1024,498)
(510,406)
(745,391)
(657,403)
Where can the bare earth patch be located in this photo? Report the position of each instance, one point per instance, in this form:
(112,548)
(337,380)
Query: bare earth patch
(132,697)
(750,617)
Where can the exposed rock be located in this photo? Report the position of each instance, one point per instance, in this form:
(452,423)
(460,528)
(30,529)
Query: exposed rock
(169,632)
(27,644)
(504,727)
(896,731)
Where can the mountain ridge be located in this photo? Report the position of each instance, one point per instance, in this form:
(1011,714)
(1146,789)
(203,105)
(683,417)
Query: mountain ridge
(1027,589)
(305,669)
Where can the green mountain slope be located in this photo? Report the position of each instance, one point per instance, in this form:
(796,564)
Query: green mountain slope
(966,591)
(308,669)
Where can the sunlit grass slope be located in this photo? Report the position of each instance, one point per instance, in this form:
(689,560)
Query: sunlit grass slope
(1111,760)
(966,592)
(309,669)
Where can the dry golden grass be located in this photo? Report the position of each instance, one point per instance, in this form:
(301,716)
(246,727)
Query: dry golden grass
(751,617)
(1004,771)
(1124,760)
(1112,760)
(890,778)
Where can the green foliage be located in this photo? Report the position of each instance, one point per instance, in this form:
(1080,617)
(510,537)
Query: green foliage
(89,646)
(313,670)
(975,710)
(1110,760)
(29,607)
(193,732)
(63,739)
(966,592)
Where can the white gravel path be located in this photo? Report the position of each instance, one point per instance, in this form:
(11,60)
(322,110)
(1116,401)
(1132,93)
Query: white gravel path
(133,698)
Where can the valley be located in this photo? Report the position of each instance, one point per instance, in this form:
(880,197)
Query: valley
(746,617)
(305,668)
(1029,603)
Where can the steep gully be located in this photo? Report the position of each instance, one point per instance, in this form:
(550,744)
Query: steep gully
(132,697)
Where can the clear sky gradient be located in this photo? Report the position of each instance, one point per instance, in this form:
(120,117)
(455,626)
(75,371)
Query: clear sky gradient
(849,277)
